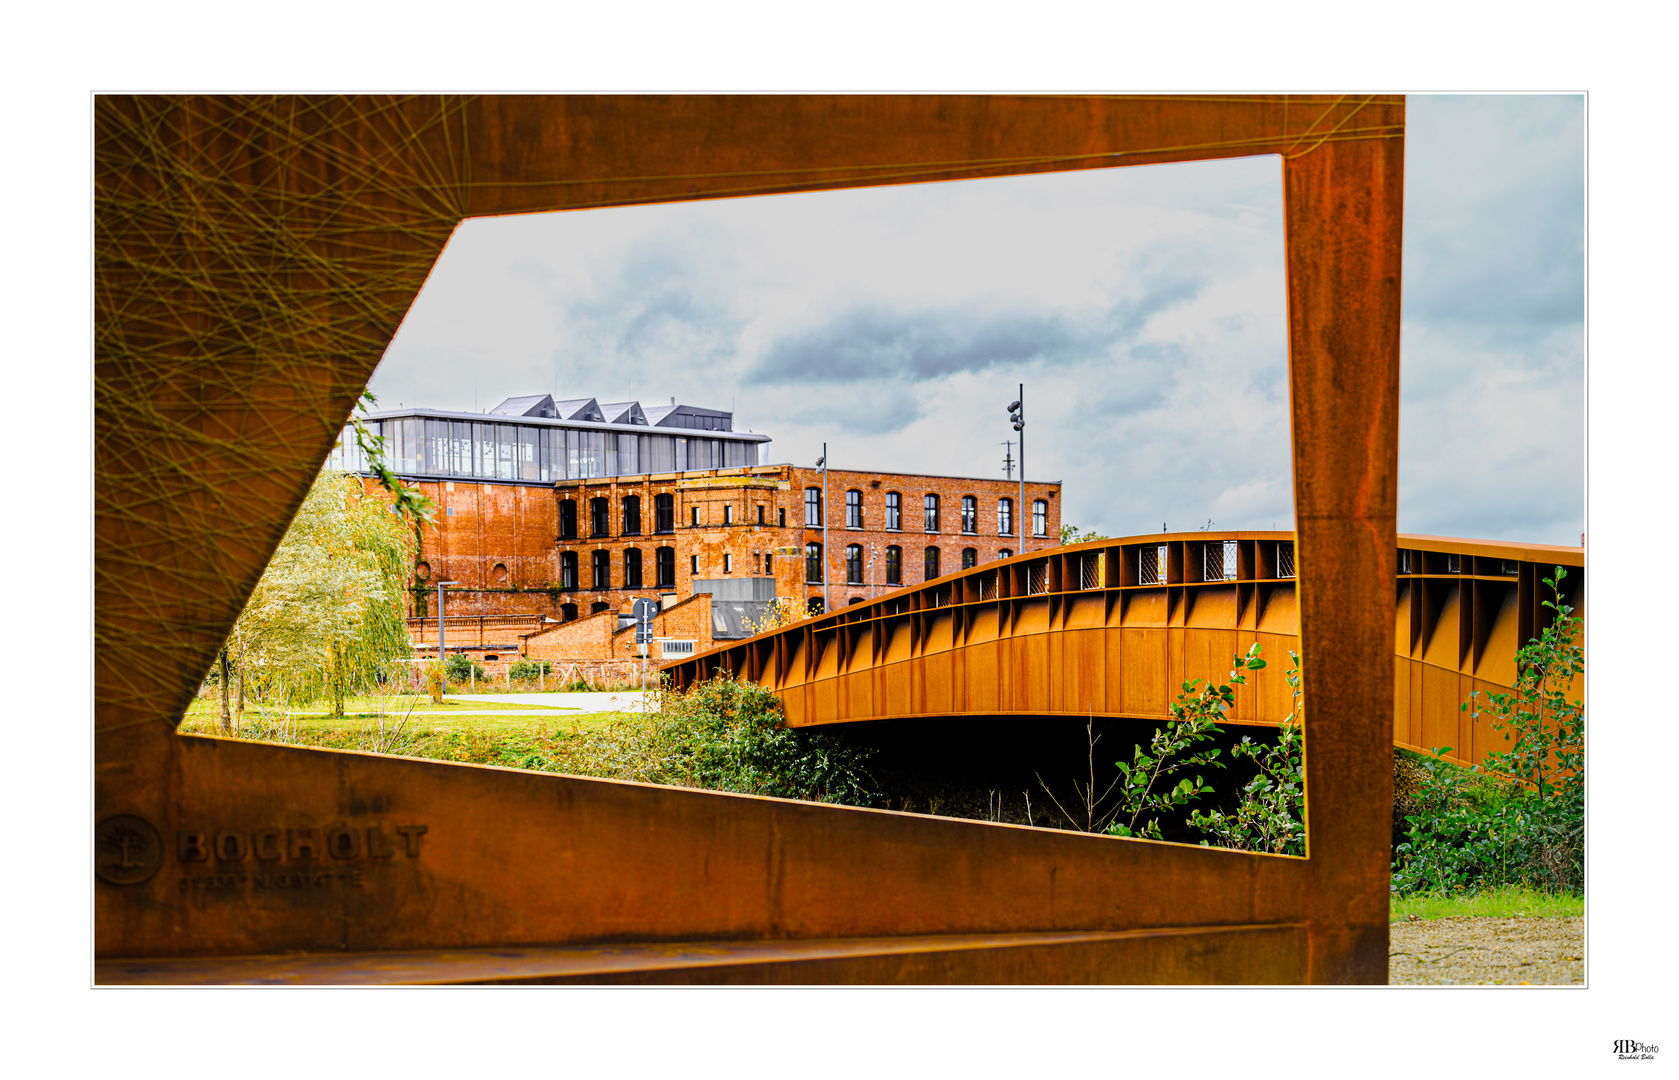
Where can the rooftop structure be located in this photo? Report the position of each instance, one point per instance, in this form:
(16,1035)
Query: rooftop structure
(536,439)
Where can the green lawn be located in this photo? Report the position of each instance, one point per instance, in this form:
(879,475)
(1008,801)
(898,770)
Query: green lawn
(367,708)
(1506,902)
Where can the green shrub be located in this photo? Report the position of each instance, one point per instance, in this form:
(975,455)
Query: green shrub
(1520,817)
(529,669)
(461,667)
(729,736)
(1272,814)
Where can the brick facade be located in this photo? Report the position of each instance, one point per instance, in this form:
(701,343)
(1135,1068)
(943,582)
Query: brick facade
(505,545)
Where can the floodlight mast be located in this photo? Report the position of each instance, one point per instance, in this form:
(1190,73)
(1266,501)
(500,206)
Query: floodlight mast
(823,509)
(1017,415)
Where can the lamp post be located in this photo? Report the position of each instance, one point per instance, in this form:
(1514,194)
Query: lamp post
(822,463)
(1017,416)
(440,654)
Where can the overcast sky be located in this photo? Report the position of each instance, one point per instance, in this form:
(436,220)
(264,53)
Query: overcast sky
(1143,308)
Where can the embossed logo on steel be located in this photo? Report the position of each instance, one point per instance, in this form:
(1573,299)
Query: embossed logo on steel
(126,850)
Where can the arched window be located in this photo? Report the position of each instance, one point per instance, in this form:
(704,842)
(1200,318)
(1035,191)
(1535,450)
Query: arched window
(1040,517)
(814,605)
(568,519)
(602,568)
(597,517)
(930,564)
(970,514)
(970,558)
(664,512)
(664,568)
(813,508)
(632,515)
(728,513)
(894,511)
(632,568)
(813,563)
(568,569)
(930,507)
(1005,517)
(781,517)
(568,612)
(1005,553)
(894,565)
(854,564)
(854,509)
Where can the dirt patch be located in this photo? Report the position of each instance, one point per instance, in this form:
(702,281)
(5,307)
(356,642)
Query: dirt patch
(1487,952)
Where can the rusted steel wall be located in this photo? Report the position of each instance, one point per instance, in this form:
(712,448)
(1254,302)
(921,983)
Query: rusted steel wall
(1089,629)
(272,849)
(253,257)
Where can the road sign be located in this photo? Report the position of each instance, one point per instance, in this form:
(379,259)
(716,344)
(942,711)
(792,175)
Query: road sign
(644,610)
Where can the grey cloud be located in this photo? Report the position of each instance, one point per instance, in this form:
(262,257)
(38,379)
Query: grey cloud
(873,342)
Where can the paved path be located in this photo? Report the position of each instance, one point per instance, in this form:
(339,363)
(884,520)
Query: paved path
(615,701)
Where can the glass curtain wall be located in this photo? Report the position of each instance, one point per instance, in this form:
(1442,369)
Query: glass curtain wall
(419,446)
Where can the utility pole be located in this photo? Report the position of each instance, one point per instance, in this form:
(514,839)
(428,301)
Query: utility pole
(1017,413)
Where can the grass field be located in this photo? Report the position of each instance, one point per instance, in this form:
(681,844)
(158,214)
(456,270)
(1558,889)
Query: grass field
(1507,902)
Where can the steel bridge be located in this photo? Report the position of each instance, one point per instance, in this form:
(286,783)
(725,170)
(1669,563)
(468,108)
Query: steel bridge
(1113,628)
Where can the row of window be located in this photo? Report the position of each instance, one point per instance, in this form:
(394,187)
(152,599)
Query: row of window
(894,569)
(600,569)
(664,516)
(929,513)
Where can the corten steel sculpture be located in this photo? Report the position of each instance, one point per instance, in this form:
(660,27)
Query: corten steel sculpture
(1114,627)
(253,257)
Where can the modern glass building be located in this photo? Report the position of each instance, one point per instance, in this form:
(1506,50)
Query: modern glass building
(539,441)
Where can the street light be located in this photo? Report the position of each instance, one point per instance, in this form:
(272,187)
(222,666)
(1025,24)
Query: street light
(1017,416)
(440,584)
(822,463)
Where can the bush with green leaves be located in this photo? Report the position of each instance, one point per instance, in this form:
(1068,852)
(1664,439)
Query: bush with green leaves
(1520,816)
(730,736)
(1156,780)
(529,669)
(461,667)
(1272,814)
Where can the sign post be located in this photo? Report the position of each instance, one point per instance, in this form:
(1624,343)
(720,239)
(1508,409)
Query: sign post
(644,610)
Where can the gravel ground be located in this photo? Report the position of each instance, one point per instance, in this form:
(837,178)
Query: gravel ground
(1487,952)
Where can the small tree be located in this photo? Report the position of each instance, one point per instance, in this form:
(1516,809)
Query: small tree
(1272,815)
(328,613)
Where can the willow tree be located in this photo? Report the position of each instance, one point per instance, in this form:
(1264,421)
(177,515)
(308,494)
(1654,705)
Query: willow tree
(328,615)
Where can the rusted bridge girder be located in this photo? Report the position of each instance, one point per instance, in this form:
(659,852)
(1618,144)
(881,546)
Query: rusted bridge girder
(1114,628)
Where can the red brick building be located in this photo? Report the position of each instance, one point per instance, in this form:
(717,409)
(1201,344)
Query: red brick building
(550,533)
(584,546)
